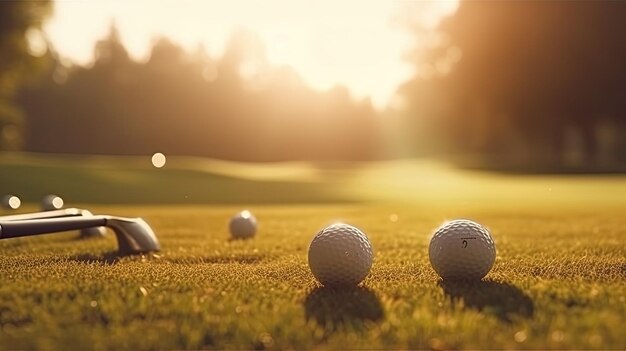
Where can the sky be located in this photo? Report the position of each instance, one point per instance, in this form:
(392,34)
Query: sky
(356,43)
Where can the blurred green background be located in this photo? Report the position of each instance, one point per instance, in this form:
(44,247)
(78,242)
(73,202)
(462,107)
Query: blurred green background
(391,115)
(519,88)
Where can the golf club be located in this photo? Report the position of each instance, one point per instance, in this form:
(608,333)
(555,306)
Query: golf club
(66,212)
(134,235)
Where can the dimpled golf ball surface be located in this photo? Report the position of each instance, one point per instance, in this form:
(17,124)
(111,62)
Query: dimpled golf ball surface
(51,202)
(11,202)
(243,225)
(340,254)
(463,250)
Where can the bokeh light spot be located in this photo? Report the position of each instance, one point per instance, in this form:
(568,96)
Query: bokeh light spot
(14,202)
(158,160)
(520,336)
(57,202)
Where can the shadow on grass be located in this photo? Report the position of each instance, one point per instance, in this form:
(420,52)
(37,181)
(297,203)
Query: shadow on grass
(242,240)
(111,257)
(76,236)
(503,300)
(350,307)
(114,257)
(227,259)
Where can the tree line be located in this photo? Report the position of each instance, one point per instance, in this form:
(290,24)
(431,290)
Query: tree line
(531,83)
(192,104)
(18,20)
(539,83)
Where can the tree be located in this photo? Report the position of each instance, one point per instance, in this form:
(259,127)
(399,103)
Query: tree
(531,71)
(18,21)
(236,107)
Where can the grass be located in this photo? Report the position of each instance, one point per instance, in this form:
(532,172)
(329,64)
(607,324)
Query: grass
(193,181)
(559,281)
(133,180)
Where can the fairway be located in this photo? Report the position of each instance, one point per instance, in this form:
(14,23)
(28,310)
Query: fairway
(559,281)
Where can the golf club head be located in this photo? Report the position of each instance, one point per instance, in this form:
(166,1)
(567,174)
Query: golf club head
(93,232)
(133,235)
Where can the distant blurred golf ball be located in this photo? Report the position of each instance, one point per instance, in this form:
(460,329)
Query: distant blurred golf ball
(51,202)
(340,254)
(11,202)
(92,232)
(463,250)
(243,225)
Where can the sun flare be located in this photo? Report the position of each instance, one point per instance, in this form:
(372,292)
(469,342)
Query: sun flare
(356,43)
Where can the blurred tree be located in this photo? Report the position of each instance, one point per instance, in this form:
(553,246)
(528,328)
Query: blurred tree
(20,25)
(533,79)
(79,108)
(237,107)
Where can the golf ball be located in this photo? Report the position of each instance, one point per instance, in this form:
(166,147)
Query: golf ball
(93,232)
(243,225)
(51,202)
(11,202)
(462,249)
(340,254)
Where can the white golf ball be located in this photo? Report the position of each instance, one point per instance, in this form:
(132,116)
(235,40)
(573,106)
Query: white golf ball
(51,202)
(243,225)
(11,202)
(462,249)
(340,254)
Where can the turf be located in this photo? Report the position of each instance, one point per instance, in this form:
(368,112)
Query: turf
(133,180)
(559,281)
(192,181)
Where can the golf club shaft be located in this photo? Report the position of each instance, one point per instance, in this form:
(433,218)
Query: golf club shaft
(66,212)
(12,229)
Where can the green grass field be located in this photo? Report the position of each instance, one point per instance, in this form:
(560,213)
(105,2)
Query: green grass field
(559,280)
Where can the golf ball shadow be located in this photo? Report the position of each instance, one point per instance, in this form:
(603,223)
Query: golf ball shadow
(107,258)
(503,300)
(219,259)
(336,308)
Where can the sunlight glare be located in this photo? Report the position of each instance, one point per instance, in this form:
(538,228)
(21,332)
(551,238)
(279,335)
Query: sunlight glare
(356,43)
(13,202)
